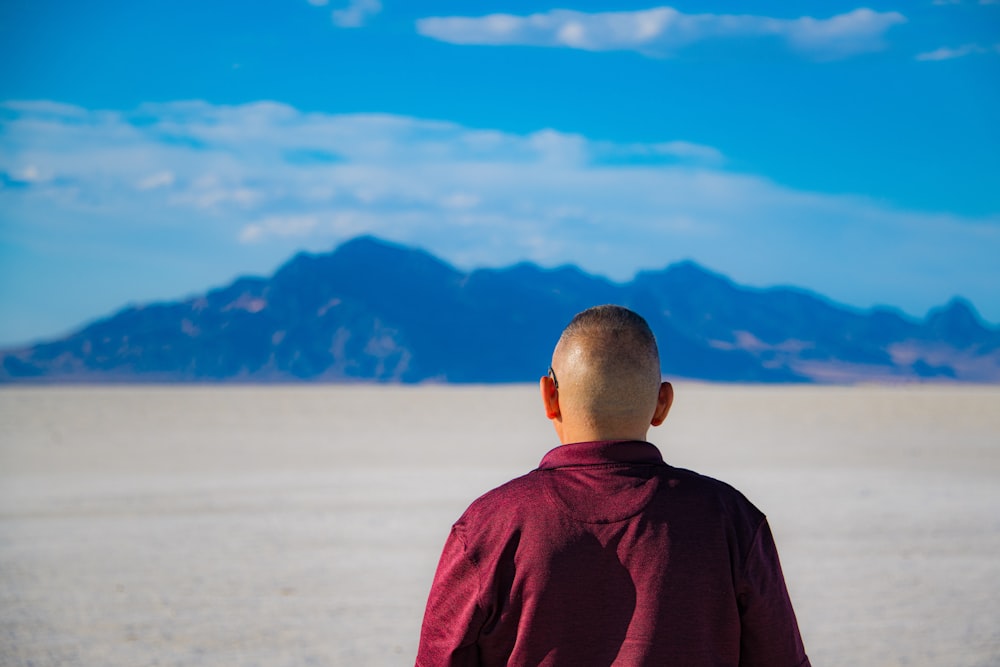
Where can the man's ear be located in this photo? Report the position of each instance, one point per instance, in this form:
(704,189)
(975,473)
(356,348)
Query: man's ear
(550,397)
(663,402)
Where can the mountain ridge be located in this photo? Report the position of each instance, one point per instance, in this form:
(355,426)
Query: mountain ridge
(373,311)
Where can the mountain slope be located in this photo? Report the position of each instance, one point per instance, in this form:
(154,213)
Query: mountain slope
(374,311)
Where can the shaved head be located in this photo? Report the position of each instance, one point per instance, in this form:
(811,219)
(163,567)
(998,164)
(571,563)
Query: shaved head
(608,369)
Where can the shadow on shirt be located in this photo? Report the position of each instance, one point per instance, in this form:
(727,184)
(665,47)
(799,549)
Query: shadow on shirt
(587,603)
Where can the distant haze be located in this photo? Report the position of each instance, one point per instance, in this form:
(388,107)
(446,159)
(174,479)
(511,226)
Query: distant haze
(376,311)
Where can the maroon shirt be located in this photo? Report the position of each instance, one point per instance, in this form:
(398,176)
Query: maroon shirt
(605,555)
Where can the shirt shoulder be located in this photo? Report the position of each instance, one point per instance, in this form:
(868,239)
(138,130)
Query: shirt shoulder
(728,497)
(508,498)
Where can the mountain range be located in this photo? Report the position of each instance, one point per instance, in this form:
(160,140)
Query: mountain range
(375,311)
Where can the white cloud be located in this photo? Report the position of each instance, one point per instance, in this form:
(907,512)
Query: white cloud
(160,179)
(288,226)
(946,53)
(357,13)
(229,179)
(663,31)
(30,174)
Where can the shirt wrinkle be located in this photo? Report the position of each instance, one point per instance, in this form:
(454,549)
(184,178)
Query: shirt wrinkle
(467,555)
(753,545)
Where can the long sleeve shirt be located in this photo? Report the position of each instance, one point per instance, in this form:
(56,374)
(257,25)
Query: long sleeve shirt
(605,555)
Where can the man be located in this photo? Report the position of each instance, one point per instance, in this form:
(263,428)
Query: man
(605,555)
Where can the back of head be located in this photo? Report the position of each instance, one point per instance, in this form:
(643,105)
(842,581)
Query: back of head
(608,369)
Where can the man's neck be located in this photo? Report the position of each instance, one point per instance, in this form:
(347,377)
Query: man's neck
(568,436)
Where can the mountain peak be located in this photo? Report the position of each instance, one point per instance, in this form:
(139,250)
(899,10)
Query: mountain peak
(957,322)
(381,255)
(369,244)
(684,272)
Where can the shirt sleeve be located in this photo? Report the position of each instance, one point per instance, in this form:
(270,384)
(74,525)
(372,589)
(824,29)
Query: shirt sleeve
(769,634)
(453,616)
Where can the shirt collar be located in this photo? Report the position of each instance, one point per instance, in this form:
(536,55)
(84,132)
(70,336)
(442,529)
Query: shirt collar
(601,452)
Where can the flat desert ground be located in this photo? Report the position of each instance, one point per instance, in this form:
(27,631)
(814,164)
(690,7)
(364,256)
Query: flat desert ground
(300,525)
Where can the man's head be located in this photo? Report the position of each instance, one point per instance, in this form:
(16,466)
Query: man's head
(605,383)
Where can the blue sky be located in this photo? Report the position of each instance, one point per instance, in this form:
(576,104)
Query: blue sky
(151,150)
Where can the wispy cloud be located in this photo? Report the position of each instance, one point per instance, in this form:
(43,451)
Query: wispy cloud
(357,13)
(203,174)
(663,31)
(946,53)
(295,225)
(160,179)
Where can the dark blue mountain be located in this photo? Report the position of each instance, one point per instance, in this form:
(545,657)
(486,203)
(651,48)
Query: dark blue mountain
(375,311)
